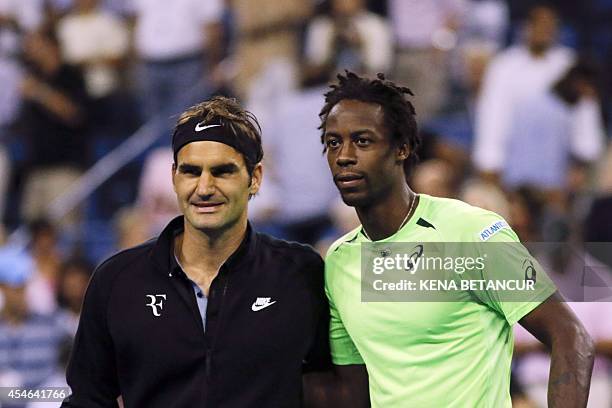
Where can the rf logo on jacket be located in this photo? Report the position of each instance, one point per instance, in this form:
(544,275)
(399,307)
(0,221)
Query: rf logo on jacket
(156,302)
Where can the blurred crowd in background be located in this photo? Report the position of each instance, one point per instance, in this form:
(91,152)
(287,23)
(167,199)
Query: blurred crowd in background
(512,100)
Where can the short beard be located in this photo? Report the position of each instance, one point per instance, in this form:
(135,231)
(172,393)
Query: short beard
(368,199)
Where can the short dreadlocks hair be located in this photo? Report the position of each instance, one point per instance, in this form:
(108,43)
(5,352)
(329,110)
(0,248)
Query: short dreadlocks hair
(399,113)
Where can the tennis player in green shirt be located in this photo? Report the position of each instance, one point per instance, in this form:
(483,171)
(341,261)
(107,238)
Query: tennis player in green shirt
(428,354)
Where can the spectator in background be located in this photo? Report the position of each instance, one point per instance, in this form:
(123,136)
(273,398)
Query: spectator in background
(177,43)
(578,276)
(71,285)
(53,122)
(10,76)
(275,80)
(131,228)
(434,177)
(485,21)
(487,196)
(599,217)
(481,33)
(41,287)
(526,209)
(533,361)
(424,32)
(267,31)
(98,42)
(295,200)
(28,341)
(58,378)
(521,72)
(156,202)
(351,37)
(455,122)
(17,17)
(562,128)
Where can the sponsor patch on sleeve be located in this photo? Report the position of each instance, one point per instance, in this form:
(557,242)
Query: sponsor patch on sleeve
(492,229)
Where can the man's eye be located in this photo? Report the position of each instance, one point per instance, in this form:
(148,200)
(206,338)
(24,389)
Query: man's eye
(191,172)
(332,143)
(223,172)
(363,141)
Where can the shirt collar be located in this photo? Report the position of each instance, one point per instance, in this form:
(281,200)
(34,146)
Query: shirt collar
(162,252)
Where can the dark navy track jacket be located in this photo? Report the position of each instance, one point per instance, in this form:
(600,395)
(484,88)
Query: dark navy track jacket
(141,336)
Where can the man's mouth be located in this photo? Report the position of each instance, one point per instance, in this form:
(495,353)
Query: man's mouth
(348,179)
(206,207)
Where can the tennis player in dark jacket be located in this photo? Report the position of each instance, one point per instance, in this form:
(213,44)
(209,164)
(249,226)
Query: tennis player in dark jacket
(211,313)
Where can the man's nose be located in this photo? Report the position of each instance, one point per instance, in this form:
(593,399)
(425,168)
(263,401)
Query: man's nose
(206,185)
(346,155)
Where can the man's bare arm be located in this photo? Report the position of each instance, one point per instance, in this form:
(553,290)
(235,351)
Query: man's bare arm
(572,352)
(353,385)
(345,386)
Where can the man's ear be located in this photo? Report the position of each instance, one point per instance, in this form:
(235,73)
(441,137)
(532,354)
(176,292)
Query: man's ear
(173,175)
(256,179)
(403,152)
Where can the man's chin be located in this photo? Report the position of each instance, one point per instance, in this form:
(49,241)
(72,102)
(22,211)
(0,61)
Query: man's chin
(211,223)
(354,199)
(205,222)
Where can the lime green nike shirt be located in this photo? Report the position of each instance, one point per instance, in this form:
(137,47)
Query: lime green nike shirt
(431,354)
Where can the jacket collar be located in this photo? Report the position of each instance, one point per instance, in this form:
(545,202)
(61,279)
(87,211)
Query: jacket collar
(162,252)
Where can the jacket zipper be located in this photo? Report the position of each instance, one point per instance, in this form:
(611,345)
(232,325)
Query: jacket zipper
(214,340)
